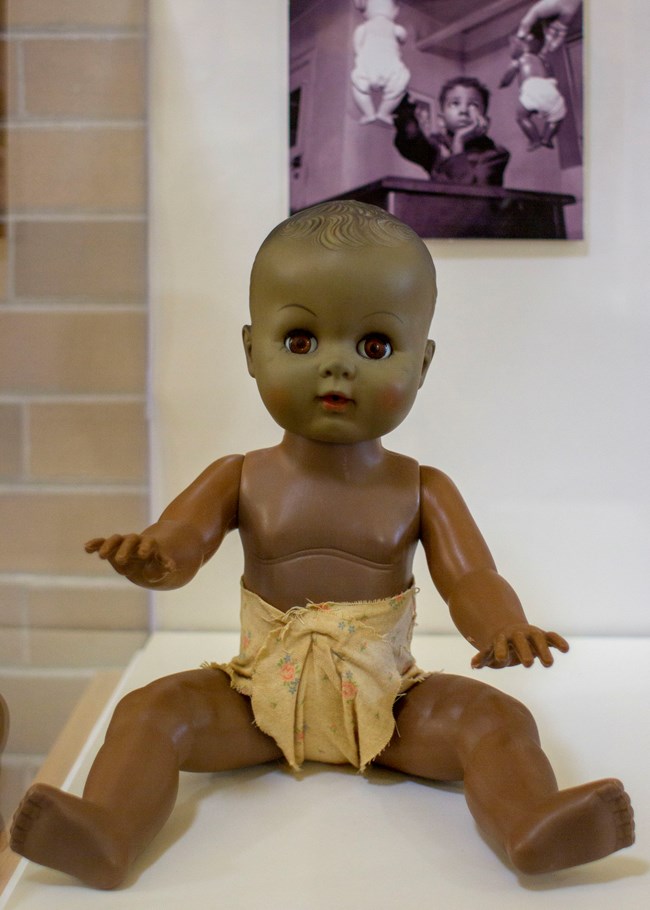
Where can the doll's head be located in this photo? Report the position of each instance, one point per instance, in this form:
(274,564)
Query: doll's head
(341,300)
(372,8)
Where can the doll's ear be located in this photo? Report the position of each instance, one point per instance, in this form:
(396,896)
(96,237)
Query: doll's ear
(429,351)
(247,338)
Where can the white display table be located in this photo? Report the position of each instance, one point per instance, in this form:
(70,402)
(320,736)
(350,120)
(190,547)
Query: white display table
(267,839)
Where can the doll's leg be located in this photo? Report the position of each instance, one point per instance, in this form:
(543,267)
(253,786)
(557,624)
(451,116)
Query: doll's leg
(361,94)
(528,127)
(191,721)
(393,93)
(453,728)
(550,132)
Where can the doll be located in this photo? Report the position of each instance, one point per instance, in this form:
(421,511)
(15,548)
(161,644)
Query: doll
(539,95)
(341,300)
(378,61)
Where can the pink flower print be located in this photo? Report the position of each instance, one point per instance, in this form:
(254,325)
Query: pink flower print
(348,690)
(288,672)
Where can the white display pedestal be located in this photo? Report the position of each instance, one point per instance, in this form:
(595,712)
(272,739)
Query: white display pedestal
(268,839)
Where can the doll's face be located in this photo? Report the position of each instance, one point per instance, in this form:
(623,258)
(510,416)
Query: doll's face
(338,342)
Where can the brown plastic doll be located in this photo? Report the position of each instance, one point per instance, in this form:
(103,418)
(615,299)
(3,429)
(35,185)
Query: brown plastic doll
(341,299)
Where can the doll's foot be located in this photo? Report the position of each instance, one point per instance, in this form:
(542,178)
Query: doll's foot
(576,826)
(63,832)
(368,118)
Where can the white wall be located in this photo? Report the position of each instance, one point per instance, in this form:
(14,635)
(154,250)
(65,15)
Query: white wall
(537,400)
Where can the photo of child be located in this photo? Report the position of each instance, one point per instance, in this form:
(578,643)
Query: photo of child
(462,152)
(399,104)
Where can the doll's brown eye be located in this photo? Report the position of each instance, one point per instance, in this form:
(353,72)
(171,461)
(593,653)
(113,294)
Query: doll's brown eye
(300,342)
(375,347)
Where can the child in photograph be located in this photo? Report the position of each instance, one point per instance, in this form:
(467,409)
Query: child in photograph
(462,152)
(341,300)
(539,96)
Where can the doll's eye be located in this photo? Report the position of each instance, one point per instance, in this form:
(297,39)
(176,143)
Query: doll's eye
(300,342)
(375,347)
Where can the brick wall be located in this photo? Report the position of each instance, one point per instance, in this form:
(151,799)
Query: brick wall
(73,349)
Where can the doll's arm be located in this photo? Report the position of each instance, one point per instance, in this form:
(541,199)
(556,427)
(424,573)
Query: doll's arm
(510,74)
(483,606)
(359,37)
(170,552)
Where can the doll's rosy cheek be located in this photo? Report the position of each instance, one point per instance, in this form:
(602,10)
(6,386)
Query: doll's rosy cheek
(391,398)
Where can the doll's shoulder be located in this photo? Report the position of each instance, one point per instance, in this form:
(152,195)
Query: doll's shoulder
(435,484)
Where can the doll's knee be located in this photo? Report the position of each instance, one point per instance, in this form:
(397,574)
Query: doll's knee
(496,714)
(157,706)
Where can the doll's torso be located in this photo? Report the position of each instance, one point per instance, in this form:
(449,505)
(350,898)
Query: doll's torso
(314,534)
(531,65)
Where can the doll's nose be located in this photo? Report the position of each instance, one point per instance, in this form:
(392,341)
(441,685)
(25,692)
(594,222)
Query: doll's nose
(338,365)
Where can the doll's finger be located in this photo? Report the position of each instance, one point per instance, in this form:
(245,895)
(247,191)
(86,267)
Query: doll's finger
(110,546)
(158,568)
(540,643)
(522,649)
(127,548)
(477,662)
(501,649)
(483,659)
(556,641)
(92,546)
(147,547)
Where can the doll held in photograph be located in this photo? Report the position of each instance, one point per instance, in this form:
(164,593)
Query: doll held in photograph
(341,300)
(541,107)
(378,64)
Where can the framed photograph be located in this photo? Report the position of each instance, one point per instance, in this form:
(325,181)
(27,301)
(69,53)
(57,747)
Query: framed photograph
(462,117)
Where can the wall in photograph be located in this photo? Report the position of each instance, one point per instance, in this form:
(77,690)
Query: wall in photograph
(366,119)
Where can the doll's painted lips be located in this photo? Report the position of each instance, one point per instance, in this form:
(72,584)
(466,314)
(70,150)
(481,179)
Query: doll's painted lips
(333,401)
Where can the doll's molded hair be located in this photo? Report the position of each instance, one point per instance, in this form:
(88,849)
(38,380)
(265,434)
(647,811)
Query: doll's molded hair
(344,224)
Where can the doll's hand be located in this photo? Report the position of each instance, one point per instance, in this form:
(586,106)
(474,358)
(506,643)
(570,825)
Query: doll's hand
(520,643)
(138,558)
